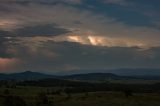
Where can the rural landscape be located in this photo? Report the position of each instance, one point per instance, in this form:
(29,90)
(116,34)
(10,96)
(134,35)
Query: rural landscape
(79,52)
(96,89)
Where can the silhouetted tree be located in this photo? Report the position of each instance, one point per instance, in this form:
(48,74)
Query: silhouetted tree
(128,92)
(42,100)
(14,101)
(68,96)
(84,96)
(6,92)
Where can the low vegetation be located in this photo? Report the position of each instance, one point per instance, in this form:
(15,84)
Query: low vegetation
(73,93)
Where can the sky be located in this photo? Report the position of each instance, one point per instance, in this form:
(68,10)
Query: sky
(65,35)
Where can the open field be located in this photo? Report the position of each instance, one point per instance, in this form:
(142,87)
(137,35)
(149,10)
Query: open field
(135,81)
(46,96)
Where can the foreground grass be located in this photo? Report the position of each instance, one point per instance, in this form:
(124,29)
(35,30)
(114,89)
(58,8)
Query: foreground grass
(30,96)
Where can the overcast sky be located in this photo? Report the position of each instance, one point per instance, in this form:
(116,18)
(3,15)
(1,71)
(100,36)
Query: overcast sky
(64,35)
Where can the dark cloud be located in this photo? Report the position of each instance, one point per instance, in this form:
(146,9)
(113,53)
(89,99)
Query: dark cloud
(119,2)
(4,34)
(29,31)
(8,38)
(40,30)
(32,31)
(101,57)
(55,56)
(4,53)
(49,2)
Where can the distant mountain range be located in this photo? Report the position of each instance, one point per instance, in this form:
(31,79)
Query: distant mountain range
(28,75)
(121,71)
(95,77)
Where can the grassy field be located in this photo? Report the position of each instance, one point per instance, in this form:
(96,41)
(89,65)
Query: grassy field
(135,81)
(38,96)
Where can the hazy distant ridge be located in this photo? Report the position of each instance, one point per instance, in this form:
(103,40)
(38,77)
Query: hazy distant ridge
(28,75)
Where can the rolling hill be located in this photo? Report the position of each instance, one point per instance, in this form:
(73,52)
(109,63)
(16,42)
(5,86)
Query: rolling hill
(28,75)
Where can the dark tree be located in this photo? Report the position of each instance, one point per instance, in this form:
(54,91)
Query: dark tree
(6,92)
(42,100)
(128,92)
(14,101)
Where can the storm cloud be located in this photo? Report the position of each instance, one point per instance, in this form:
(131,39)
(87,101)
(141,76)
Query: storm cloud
(9,38)
(64,35)
(68,56)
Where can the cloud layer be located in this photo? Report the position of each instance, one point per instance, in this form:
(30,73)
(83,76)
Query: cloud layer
(77,34)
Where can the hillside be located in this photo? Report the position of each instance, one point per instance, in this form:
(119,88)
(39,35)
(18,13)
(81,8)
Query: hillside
(28,75)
